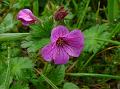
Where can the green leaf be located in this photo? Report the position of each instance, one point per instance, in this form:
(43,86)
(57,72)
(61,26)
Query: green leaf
(57,75)
(43,29)
(7,23)
(2,86)
(70,86)
(26,44)
(91,35)
(34,46)
(19,64)
(38,44)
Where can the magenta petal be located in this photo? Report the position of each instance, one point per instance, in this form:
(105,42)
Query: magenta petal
(75,34)
(48,51)
(75,38)
(28,11)
(60,56)
(75,43)
(58,31)
(26,15)
(72,51)
(25,11)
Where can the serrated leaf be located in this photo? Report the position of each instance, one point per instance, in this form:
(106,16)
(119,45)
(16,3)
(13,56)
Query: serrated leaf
(70,86)
(43,29)
(91,35)
(19,64)
(26,44)
(34,46)
(7,23)
(39,44)
(57,75)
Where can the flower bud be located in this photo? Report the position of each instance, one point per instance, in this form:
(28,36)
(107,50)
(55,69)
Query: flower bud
(60,14)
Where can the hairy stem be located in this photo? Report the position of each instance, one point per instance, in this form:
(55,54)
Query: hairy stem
(7,78)
(94,75)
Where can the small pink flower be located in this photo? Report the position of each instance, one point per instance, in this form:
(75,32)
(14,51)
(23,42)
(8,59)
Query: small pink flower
(26,16)
(63,44)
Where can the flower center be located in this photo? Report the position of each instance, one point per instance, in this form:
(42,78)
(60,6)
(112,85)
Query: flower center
(60,41)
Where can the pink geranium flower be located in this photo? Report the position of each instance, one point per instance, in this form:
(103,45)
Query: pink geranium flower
(26,16)
(63,44)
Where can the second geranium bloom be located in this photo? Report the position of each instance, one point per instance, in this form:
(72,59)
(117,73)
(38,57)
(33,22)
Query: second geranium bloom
(63,44)
(27,17)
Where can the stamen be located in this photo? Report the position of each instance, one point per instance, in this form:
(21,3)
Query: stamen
(60,41)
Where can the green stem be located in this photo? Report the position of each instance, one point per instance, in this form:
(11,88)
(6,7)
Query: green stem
(7,78)
(12,36)
(45,68)
(94,75)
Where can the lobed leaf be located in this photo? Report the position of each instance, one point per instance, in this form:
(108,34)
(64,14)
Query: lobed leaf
(91,35)
(57,75)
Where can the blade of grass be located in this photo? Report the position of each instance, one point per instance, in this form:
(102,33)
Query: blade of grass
(110,10)
(115,30)
(94,75)
(86,63)
(113,10)
(75,4)
(80,19)
(36,7)
(47,80)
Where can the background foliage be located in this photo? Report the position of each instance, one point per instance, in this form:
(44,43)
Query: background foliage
(21,65)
